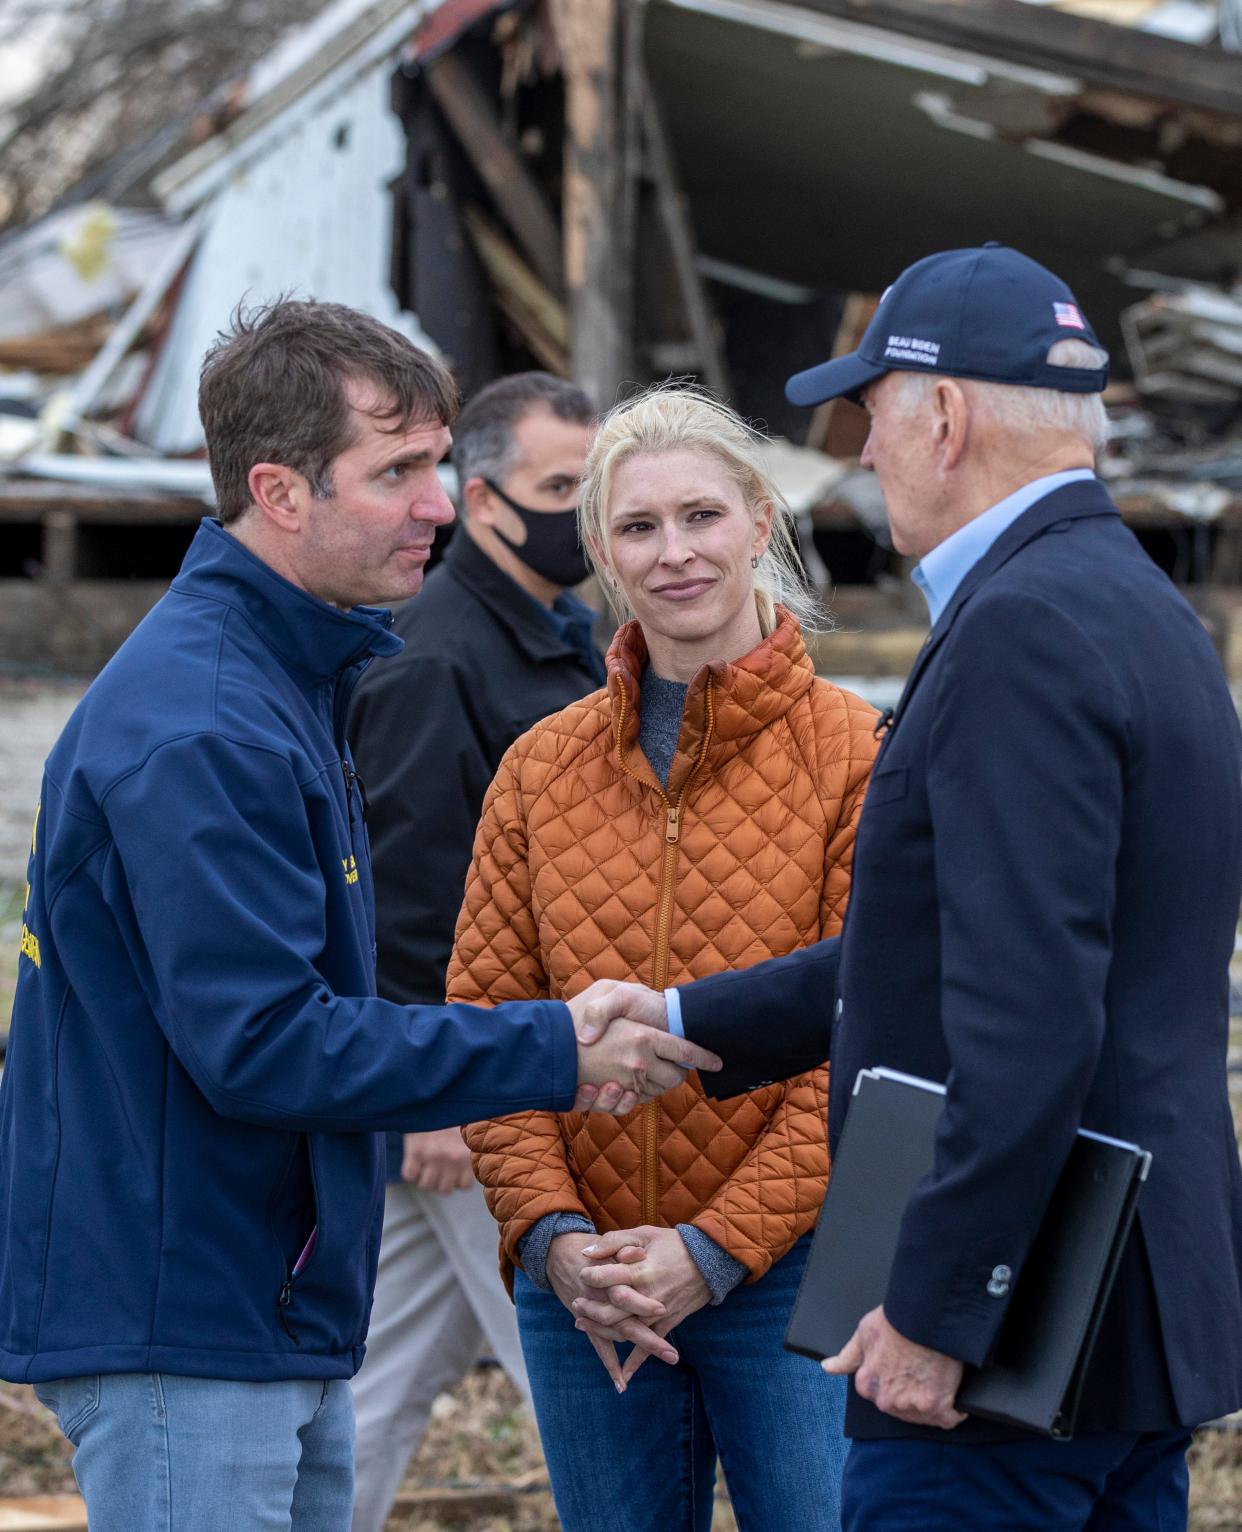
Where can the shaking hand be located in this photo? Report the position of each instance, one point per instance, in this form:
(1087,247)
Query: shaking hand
(625,1053)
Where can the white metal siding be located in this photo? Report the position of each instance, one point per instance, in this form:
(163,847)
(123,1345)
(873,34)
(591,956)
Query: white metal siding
(309,217)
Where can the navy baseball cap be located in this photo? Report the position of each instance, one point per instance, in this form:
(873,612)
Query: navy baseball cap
(988,313)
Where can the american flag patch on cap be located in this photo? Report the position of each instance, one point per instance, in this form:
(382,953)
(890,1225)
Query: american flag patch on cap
(1067,314)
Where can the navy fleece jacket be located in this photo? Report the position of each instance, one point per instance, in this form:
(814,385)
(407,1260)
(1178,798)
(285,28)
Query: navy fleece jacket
(198,1066)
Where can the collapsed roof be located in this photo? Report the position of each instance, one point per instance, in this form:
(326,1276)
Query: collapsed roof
(793,153)
(831,152)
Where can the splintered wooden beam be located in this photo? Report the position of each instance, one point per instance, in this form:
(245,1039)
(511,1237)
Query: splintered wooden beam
(586,34)
(499,166)
(473,1500)
(43,1513)
(64,350)
(839,427)
(538,315)
(33,499)
(1081,47)
(631,131)
(680,234)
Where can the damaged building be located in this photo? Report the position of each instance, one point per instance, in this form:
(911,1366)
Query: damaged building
(625,190)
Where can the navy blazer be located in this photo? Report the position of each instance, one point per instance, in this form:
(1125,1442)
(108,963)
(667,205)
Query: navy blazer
(1046,887)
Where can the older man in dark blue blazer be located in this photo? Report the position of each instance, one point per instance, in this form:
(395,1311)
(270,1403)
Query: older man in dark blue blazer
(1046,891)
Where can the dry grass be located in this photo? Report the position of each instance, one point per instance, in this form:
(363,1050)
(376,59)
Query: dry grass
(480,1434)
(481,1437)
(10,932)
(1216,1481)
(34,1457)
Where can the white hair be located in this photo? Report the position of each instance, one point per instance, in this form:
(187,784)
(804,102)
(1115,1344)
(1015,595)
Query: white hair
(1019,408)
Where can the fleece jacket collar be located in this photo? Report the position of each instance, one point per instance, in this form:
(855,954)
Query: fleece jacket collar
(308,634)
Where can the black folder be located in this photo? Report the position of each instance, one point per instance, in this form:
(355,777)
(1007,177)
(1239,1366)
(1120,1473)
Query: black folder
(888,1145)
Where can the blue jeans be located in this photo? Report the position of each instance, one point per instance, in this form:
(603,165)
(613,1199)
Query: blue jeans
(155,1452)
(645,1461)
(1095,1484)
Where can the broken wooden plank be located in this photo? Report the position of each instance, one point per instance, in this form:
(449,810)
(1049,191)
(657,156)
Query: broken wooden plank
(476,1500)
(538,314)
(32,499)
(63,350)
(43,1513)
(501,169)
(680,235)
(586,33)
(1039,38)
(838,427)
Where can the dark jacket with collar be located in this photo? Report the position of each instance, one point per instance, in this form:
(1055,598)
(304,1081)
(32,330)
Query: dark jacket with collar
(197,1062)
(1046,887)
(481,664)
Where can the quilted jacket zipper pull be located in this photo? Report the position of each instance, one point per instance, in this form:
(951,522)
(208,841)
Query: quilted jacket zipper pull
(673,827)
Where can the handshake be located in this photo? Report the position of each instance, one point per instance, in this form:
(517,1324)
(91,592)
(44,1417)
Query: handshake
(626,1054)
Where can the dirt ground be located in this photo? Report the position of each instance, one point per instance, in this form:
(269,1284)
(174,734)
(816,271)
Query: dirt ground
(480,1437)
(32,714)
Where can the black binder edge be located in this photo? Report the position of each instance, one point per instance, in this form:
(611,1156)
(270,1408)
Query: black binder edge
(818,1356)
(1062,1426)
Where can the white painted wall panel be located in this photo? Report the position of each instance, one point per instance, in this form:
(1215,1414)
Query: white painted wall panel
(311,217)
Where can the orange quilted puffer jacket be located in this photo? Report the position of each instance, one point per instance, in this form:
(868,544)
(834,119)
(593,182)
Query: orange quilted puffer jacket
(586,868)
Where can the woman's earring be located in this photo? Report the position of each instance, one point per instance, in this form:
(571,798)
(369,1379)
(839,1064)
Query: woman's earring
(754,561)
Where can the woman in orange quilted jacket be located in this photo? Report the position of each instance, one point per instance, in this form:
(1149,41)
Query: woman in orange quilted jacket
(696,815)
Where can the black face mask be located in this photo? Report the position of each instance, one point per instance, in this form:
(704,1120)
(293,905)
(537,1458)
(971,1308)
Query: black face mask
(551,548)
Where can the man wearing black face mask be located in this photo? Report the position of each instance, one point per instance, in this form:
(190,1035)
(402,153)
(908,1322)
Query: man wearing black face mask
(495,642)
(549,546)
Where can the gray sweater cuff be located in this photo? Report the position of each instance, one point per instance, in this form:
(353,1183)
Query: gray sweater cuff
(716,1266)
(534,1245)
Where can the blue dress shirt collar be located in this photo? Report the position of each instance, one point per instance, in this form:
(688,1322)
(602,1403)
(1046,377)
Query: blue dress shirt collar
(941,571)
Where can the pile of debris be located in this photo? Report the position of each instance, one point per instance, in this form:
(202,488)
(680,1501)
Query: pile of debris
(564,183)
(1176,442)
(76,350)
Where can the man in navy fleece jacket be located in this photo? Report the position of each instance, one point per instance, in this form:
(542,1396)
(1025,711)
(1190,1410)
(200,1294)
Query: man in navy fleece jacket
(191,1173)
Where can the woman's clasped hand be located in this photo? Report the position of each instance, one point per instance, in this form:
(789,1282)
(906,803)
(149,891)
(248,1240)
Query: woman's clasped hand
(634,1285)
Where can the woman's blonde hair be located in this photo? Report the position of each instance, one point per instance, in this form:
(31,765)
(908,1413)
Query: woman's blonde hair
(669,417)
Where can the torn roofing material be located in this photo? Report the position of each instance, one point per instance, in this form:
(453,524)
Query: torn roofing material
(819,151)
(1098,53)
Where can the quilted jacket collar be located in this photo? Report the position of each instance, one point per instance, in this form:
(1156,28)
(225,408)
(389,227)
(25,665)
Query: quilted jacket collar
(747,694)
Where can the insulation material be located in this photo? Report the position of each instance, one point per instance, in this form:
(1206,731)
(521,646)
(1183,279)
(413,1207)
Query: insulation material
(74,265)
